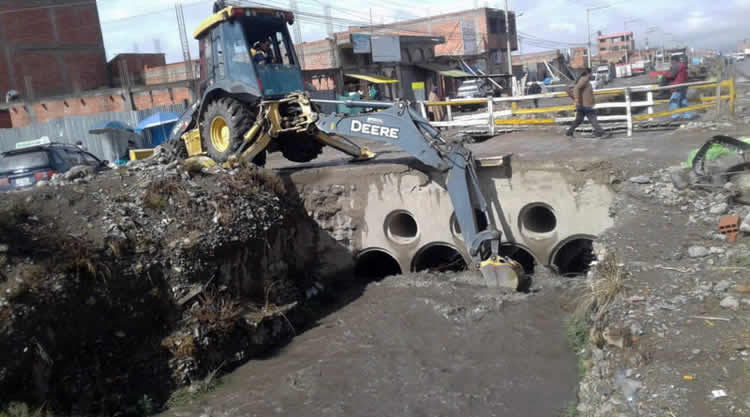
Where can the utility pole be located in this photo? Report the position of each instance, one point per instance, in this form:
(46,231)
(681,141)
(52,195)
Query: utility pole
(298,35)
(507,40)
(588,30)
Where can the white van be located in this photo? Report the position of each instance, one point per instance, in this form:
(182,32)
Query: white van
(603,74)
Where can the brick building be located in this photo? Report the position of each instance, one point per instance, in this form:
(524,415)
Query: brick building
(579,57)
(170,73)
(326,63)
(478,36)
(50,47)
(136,65)
(615,47)
(93,102)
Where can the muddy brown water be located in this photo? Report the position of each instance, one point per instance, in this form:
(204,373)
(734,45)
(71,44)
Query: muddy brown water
(413,347)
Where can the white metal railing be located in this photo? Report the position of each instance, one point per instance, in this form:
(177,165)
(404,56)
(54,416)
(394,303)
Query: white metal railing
(508,116)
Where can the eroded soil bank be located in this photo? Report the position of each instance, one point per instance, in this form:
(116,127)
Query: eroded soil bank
(116,290)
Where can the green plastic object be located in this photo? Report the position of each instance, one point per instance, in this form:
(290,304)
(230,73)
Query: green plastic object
(714,152)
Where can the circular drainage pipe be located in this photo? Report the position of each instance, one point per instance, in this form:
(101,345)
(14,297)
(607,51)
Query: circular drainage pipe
(401,227)
(439,257)
(375,264)
(574,257)
(537,218)
(520,255)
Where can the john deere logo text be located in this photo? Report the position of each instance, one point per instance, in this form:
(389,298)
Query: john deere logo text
(374,130)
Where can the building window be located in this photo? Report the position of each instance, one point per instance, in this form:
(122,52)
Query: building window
(602,49)
(494,25)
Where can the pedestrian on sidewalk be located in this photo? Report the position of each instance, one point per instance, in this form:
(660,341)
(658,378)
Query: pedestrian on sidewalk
(583,94)
(435,111)
(678,75)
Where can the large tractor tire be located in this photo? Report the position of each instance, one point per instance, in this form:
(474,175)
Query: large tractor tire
(299,147)
(223,125)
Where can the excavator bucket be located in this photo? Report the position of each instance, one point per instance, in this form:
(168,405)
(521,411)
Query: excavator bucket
(500,273)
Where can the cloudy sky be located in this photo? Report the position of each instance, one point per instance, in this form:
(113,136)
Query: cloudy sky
(151,25)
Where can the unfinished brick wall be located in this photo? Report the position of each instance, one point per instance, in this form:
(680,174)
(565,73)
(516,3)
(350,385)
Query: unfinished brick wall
(43,42)
(86,104)
(136,64)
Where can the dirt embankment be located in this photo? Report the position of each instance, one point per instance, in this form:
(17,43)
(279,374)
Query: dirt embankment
(117,289)
(663,328)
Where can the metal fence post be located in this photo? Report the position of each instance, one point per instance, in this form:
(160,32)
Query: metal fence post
(718,98)
(422,109)
(650,98)
(491,111)
(629,111)
(450,114)
(732,95)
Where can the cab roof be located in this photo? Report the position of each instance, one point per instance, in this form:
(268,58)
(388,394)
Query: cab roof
(231,12)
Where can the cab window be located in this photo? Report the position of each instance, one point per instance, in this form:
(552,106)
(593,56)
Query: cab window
(236,53)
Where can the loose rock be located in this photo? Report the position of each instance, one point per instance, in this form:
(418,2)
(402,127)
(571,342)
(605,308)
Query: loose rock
(80,171)
(697,252)
(722,286)
(720,208)
(730,303)
(745,226)
(640,179)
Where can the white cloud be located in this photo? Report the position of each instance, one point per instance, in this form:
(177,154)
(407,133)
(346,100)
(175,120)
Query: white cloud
(562,27)
(696,20)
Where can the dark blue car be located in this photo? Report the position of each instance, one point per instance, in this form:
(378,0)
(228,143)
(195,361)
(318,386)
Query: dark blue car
(22,168)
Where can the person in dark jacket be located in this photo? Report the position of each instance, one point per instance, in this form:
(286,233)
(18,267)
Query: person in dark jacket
(583,94)
(678,75)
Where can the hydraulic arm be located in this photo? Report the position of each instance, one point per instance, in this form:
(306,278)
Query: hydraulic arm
(400,125)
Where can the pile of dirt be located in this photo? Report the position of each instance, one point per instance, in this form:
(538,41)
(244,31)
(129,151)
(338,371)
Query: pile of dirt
(117,289)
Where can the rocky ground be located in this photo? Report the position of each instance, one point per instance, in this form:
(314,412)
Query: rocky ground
(118,289)
(668,333)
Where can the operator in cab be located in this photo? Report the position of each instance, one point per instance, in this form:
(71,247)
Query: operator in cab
(261,52)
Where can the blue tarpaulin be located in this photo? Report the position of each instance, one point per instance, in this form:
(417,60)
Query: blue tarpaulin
(158,126)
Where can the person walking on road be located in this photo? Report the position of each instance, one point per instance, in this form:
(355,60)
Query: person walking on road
(436,111)
(678,75)
(583,94)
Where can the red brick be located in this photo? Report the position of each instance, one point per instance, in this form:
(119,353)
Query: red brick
(31,33)
(37,65)
(87,71)
(28,27)
(80,23)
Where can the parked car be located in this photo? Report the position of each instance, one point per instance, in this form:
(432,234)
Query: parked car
(476,88)
(38,160)
(603,73)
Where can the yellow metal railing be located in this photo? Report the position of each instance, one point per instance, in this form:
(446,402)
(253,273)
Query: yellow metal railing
(628,104)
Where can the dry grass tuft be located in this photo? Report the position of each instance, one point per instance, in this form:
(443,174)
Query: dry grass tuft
(262,178)
(217,312)
(601,290)
(159,194)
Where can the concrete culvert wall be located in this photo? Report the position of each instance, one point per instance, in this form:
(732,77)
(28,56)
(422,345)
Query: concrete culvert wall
(438,257)
(538,218)
(520,255)
(401,227)
(574,257)
(375,264)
